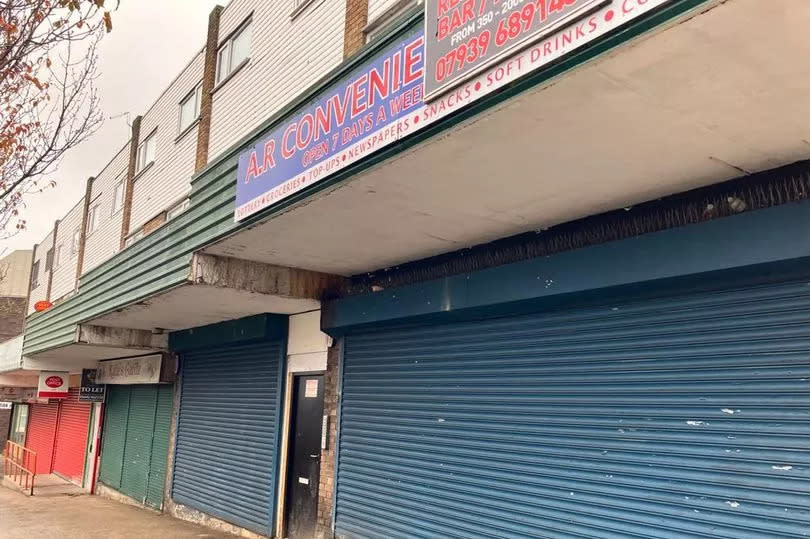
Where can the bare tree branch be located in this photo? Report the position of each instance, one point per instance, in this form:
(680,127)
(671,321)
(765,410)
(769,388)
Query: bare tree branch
(48,100)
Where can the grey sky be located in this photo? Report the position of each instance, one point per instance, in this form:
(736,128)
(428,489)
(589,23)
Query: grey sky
(152,40)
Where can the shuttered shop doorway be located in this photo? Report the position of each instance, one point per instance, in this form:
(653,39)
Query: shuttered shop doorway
(227,433)
(71,437)
(136,440)
(679,417)
(42,434)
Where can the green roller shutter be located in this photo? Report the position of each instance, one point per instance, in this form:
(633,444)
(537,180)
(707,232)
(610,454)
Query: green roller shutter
(116,411)
(160,447)
(138,449)
(136,441)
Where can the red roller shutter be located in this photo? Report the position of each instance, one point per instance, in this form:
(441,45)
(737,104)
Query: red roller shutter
(42,433)
(71,437)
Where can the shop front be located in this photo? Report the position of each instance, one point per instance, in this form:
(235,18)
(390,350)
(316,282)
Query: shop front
(137,421)
(650,387)
(58,431)
(226,454)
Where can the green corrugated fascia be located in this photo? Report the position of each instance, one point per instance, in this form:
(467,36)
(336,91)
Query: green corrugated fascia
(155,264)
(160,261)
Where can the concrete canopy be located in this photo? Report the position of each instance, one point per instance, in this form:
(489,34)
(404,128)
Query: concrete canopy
(705,99)
(221,289)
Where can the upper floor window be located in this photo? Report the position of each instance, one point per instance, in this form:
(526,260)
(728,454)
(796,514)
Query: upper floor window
(35,275)
(74,247)
(190,108)
(58,257)
(118,197)
(298,6)
(233,52)
(92,218)
(146,152)
(380,24)
(49,260)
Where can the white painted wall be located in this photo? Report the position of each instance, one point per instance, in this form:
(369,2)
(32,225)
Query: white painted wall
(306,344)
(105,240)
(167,181)
(286,57)
(39,293)
(11,354)
(15,273)
(64,275)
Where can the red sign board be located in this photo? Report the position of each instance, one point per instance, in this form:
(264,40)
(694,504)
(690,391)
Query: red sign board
(42,306)
(53,385)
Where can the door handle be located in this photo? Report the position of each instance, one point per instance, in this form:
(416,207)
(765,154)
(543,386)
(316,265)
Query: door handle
(316,455)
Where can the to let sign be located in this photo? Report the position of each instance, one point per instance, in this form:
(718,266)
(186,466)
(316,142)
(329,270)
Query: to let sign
(90,390)
(464,37)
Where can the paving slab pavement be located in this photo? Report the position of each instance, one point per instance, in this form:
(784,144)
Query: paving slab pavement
(88,517)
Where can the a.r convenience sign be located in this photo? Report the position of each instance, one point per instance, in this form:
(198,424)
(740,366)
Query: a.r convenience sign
(383,100)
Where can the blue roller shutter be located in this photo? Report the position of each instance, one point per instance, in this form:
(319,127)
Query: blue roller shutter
(661,418)
(227,433)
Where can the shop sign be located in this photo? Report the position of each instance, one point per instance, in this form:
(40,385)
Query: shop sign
(134,370)
(464,37)
(5,406)
(53,385)
(381,102)
(90,391)
(18,394)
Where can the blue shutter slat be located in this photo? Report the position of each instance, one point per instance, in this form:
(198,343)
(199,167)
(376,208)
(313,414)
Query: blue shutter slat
(670,417)
(227,433)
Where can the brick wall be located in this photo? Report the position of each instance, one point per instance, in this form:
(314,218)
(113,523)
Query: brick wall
(12,315)
(208,82)
(154,223)
(5,422)
(330,406)
(130,180)
(356,19)
(88,195)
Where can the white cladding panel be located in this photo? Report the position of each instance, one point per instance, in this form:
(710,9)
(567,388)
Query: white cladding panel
(287,56)
(105,240)
(40,292)
(37,294)
(305,335)
(168,180)
(378,7)
(11,354)
(64,275)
